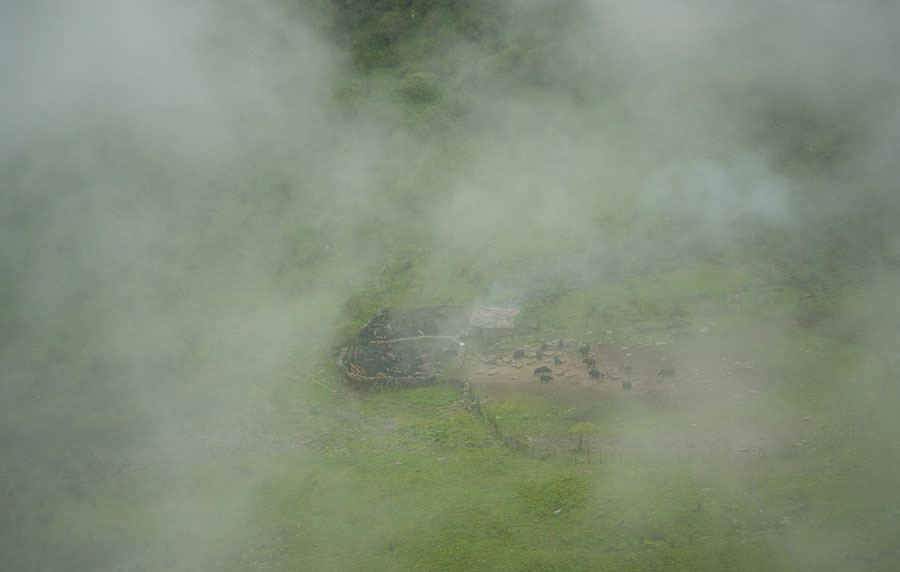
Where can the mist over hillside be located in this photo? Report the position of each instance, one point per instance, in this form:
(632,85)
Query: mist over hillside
(200,202)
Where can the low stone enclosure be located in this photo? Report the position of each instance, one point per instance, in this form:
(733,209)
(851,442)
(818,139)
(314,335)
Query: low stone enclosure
(417,347)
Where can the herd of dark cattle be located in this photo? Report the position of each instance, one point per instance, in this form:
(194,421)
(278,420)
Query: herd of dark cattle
(593,371)
(585,350)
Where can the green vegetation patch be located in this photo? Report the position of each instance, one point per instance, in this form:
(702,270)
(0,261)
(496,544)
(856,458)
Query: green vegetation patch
(654,302)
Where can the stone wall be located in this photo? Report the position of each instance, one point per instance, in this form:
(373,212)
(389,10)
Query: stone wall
(405,349)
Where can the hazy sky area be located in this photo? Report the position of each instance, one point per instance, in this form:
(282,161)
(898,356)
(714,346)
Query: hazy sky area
(190,202)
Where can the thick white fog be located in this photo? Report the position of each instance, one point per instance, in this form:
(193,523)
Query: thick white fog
(188,204)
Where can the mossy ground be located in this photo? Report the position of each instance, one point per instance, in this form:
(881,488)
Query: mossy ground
(314,476)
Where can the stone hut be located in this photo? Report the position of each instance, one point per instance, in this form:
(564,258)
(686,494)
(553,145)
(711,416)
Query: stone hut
(406,349)
(424,346)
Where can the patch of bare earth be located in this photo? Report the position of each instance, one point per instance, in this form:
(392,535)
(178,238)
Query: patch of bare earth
(707,391)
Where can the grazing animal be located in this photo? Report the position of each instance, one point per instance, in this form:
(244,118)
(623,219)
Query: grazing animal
(594,373)
(542,369)
(556,360)
(626,384)
(546,378)
(539,355)
(667,372)
(584,350)
(590,361)
(518,354)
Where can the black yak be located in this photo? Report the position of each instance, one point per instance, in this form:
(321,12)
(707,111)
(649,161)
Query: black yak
(542,369)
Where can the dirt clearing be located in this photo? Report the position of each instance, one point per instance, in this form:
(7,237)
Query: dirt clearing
(708,388)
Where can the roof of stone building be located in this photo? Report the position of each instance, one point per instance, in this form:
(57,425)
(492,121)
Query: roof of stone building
(487,317)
